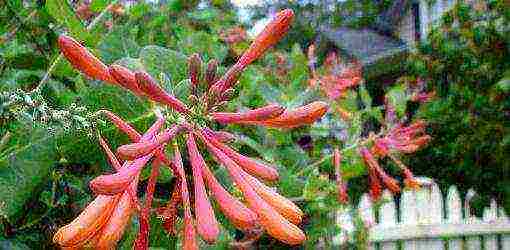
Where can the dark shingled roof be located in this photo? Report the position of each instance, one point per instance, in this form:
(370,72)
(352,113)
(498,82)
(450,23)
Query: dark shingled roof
(365,45)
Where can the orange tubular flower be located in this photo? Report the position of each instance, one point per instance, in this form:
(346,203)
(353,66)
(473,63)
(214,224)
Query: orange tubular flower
(126,78)
(260,114)
(114,228)
(190,241)
(242,217)
(374,167)
(303,115)
(149,86)
(271,34)
(83,60)
(253,167)
(341,184)
(403,139)
(207,225)
(274,223)
(88,223)
(103,221)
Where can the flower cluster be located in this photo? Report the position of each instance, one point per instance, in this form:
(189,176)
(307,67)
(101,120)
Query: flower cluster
(102,222)
(399,139)
(337,78)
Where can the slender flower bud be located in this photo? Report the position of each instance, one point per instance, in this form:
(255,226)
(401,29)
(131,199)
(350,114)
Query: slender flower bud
(409,179)
(109,154)
(189,241)
(259,114)
(135,136)
(139,149)
(158,94)
(272,33)
(115,183)
(194,69)
(221,136)
(375,191)
(282,205)
(122,125)
(303,115)
(371,163)
(207,225)
(125,77)
(210,72)
(84,61)
(90,220)
(274,223)
(341,184)
(251,166)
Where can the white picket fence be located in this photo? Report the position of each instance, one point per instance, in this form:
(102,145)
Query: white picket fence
(425,223)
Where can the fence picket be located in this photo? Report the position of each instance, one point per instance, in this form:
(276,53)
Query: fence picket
(409,215)
(505,238)
(344,219)
(472,242)
(366,212)
(491,215)
(426,224)
(387,218)
(453,215)
(435,215)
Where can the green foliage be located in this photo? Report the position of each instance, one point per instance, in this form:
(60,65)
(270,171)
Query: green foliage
(467,62)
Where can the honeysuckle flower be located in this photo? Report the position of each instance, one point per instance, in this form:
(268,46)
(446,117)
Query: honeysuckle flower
(266,208)
(402,139)
(337,77)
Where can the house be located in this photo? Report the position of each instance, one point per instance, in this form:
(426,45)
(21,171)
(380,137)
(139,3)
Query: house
(382,47)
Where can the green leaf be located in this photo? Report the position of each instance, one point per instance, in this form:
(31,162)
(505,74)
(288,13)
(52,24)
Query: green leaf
(64,14)
(98,5)
(24,169)
(398,98)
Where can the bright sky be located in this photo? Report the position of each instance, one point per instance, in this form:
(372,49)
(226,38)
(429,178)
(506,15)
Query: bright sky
(243,3)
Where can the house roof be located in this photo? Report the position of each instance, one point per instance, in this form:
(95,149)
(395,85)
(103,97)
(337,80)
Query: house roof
(366,45)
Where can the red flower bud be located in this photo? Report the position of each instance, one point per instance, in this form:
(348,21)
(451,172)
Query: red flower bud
(303,115)
(123,126)
(375,191)
(109,154)
(207,225)
(115,183)
(189,241)
(272,33)
(125,77)
(194,69)
(221,136)
(372,164)
(139,149)
(158,94)
(264,113)
(341,185)
(251,166)
(210,72)
(84,61)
